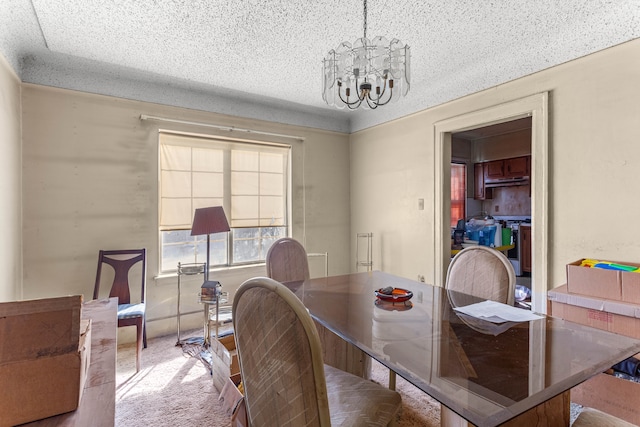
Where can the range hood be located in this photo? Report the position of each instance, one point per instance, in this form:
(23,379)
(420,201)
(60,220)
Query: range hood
(506,182)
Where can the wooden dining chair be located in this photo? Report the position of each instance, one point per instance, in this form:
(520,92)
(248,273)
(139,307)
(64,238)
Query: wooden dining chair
(590,417)
(285,380)
(483,272)
(129,313)
(287,261)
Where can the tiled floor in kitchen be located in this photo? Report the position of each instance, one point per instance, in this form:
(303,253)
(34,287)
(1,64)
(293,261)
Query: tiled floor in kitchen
(524,281)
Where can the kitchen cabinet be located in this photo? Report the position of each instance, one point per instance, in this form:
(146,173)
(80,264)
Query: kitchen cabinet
(494,169)
(479,191)
(515,167)
(525,250)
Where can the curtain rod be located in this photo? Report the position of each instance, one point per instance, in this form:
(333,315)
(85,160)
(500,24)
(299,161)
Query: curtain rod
(227,128)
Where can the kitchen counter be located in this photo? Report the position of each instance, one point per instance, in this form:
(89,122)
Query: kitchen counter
(503,249)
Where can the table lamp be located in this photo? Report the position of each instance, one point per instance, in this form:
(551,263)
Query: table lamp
(208,221)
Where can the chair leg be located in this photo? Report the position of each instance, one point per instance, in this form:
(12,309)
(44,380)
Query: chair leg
(144,332)
(139,340)
(392,380)
(394,420)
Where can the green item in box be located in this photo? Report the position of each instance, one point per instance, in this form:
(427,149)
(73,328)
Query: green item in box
(506,236)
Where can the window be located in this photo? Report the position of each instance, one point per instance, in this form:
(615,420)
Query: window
(458,192)
(249,180)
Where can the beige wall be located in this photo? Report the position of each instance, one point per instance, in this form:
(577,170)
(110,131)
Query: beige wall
(594,159)
(91,182)
(10,191)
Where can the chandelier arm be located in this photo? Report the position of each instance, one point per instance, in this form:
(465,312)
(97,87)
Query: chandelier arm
(390,96)
(372,99)
(354,108)
(347,103)
(384,88)
(372,106)
(378,100)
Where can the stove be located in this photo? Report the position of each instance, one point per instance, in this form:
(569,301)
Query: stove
(515,254)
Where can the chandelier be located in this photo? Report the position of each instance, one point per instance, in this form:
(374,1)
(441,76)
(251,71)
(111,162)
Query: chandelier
(369,73)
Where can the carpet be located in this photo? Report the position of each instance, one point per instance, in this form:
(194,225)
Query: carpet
(176,389)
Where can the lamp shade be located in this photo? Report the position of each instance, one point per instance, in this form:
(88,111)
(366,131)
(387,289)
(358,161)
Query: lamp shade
(209,220)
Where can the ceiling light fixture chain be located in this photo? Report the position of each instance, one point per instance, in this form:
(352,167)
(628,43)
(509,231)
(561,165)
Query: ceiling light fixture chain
(376,71)
(364,25)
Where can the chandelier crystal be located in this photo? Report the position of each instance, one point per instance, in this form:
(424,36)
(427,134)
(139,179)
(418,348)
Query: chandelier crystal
(367,73)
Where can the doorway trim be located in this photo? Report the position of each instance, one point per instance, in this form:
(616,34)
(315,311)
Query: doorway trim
(535,106)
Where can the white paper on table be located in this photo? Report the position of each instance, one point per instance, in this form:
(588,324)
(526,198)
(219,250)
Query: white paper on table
(496,312)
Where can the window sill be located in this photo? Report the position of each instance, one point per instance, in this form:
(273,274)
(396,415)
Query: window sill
(224,272)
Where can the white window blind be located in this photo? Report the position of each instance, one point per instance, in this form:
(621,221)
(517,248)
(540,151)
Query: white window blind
(248,179)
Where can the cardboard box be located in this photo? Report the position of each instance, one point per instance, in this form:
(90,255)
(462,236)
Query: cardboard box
(607,393)
(224,360)
(233,402)
(230,395)
(44,358)
(601,283)
(615,396)
(630,287)
(613,316)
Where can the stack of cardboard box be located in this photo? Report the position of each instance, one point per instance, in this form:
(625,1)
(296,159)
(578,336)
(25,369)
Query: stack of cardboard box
(232,401)
(44,358)
(609,300)
(226,378)
(224,360)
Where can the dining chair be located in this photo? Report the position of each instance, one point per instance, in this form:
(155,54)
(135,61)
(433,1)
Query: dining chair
(590,417)
(483,272)
(287,261)
(129,313)
(285,380)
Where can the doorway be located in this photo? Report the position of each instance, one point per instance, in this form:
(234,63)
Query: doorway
(533,108)
(497,158)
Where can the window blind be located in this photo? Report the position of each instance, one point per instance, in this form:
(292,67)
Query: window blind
(247,179)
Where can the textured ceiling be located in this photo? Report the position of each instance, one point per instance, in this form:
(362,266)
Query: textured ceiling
(271,50)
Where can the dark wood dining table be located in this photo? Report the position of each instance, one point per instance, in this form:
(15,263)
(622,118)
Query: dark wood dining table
(483,374)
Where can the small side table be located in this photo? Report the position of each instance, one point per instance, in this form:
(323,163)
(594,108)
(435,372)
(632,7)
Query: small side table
(188,269)
(215,298)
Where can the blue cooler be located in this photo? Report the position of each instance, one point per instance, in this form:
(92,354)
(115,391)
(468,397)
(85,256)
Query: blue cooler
(473,235)
(487,235)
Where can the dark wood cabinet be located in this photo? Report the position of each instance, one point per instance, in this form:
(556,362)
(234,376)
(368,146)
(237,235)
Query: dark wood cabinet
(499,173)
(494,169)
(516,167)
(525,249)
(479,191)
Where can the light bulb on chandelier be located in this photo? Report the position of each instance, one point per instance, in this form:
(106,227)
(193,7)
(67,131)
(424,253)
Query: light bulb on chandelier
(369,73)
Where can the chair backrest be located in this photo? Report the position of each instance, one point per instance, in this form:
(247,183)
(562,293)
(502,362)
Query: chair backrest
(483,272)
(280,357)
(122,262)
(287,261)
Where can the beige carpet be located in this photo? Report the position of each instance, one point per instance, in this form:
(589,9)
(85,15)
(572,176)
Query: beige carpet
(174,389)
